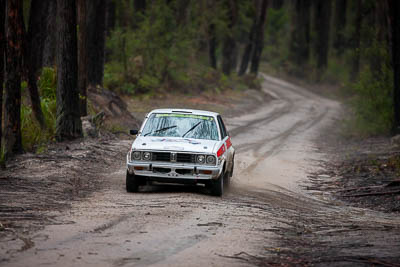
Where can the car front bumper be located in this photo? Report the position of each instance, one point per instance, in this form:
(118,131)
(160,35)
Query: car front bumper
(174,171)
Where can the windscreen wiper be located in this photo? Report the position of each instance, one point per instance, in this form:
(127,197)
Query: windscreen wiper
(191,129)
(160,130)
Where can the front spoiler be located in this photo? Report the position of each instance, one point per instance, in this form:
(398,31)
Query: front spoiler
(193,172)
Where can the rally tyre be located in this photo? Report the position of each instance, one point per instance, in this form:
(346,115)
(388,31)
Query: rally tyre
(132,183)
(217,186)
(227,180)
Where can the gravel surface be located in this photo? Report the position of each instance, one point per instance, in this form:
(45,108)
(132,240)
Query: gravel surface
(267,218)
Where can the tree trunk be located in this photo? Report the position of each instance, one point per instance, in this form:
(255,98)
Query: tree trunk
(212,46)
(339,42)
(2,51)
(82,57)
(68,125)
(229,45)
(135,17)
(12,111)
(49,48)
(356,41)
(96,35)
(277,4)
(110,25)
(182,12)
(396,63)
(248,49)
(235,55)
(139,5)
(110,17)
(299,51)
(322,29)
(259,39)
(32,60)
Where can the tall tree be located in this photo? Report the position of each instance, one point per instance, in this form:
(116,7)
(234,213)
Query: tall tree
(135,17)
(2,51)
(395,9)
(259,38)
(110,16)
(230,42)
(322,29)
(33,43)
(49,49)
(356,41)
(68,124)
(12,111)
(250,42)
(182,10)
(208,9)
(277,4)
(299,50)
(140,5)
(212,45)
(340,25)
(82,57)
(96,36)
(37,31)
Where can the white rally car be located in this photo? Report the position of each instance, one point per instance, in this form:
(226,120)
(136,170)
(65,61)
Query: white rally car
(181,146)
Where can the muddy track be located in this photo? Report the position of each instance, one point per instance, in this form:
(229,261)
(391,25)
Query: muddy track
(266,217)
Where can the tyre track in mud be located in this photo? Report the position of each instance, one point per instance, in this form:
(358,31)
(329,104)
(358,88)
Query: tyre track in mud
(202,225)
(184,226)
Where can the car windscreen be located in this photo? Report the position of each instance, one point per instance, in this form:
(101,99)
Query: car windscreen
(181,125)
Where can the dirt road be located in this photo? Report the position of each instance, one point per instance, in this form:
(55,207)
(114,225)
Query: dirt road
(265,218)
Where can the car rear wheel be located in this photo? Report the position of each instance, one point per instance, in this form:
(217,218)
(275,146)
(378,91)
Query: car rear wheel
(217,186)
(132,183)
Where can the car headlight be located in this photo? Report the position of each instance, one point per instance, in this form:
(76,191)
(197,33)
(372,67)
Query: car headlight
(200,159)
(146,156)
(211,160)
(135,155)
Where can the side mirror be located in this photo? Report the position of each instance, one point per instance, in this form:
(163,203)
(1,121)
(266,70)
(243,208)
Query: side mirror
(133,132)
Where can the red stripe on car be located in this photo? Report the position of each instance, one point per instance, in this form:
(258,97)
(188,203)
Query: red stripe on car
(221,151)
(228,143)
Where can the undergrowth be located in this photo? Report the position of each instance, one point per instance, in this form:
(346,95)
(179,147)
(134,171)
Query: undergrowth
(165,53)
(371,101)
(33,137)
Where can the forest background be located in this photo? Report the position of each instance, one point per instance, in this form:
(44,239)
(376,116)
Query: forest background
(53,52)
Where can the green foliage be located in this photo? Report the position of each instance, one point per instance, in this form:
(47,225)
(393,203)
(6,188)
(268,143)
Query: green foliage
(2,157)
(33,137)
(372,102)
(277,29)
(48,83)
(166,47)
(152,55)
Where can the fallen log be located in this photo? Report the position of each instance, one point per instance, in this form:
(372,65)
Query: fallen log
(374,194)
(359,188)
(390,184)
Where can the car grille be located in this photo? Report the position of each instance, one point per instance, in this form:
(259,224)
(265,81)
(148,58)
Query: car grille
(188,158)
(161,156)
(180,157)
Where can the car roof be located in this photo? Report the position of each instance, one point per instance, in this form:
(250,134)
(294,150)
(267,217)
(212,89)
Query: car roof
(184,111)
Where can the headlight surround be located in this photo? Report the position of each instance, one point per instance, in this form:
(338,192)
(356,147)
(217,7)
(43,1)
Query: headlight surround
(136,155)
(211,160)
(200,159)
(146,155)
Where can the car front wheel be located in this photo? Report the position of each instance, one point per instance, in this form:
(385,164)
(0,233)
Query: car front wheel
(217,186)
(132,183)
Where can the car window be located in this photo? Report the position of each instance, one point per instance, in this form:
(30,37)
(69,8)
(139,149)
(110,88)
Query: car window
(181,125)
(224,133)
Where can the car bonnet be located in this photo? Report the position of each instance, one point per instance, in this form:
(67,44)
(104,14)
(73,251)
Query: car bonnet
(174,144)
